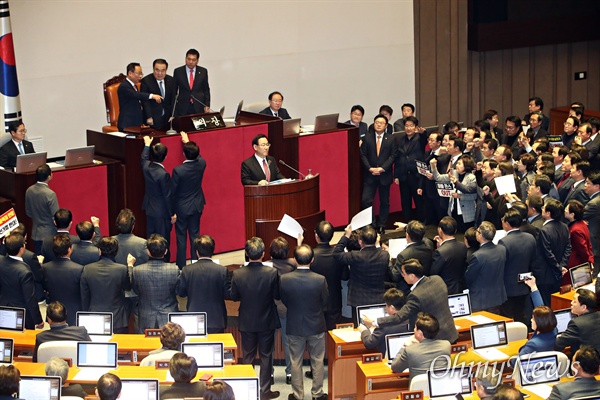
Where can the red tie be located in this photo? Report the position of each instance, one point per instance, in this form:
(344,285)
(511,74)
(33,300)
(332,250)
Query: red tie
(191,79)
(266,169)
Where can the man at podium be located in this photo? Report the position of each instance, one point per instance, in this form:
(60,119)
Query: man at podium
(260,169)
(15,146)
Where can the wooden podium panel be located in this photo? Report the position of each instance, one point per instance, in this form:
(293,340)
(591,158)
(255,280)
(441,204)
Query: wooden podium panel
(267,230)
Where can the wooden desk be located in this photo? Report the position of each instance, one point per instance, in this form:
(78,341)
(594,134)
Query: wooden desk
(559,301)
(511,350)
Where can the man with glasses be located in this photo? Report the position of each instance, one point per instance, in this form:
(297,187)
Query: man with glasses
(275,109)
(17,145)
(130,98)
(512,130)
(260,169)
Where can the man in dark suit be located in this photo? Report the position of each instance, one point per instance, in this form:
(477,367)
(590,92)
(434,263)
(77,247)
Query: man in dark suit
(520,255)
(275,109)
(427,186)
(485,273)
(428,294)
(56,314)
(394,300)
(256,286)
(158,115)
(16,281)
(188,197)
(157,198)
(579,171)
(85,252)
(408,110)
(130,99)
(104,282)
(40,205)
(63,220)
(333,271)
(584,138)
(368,267)
(156,284)
(205,285)
(305,294)
(513,130)
(62,277)
(191,81)
(536,131)
(586,362)
(16,146)
(260,169)
(377,154)
(591,214)
(356,118)
(536,104)
(419,247)
(448,260)
(584,329)
(553,250)
(411,147)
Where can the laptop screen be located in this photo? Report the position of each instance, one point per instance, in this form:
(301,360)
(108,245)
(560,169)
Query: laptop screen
(444,382)
(327,122)
(29,162)
(207,355)
(40,387)
(373,311)
(96,323)
(139,389)
(244,388)
(562,319)
(460,305)
(489,335)
(12,319)
(581,275)
(94,354)
(193,323)
(6,350)
(79,156)
(535,370)
(394,343)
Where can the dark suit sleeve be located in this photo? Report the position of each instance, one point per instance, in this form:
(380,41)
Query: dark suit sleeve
(437,263)
(411,307)
(339,254)
(387,165)
(146,105)
(28,288)
(165,189)
(278,173)
(126,279)
(4,157)
(371,340)
(247,175)
(84,288)
(36,269)
(569,337)
(474,269)
(206,88)
(226,284)
(182,286)
(126,90)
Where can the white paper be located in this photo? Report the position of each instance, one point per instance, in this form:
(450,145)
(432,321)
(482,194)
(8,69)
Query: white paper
(492,354)
(479,319)
(505,184)
(290,226)
(118,134)
(363,218)
(347,335)
(543,390)
(501,234)
(54,165)
(396,246)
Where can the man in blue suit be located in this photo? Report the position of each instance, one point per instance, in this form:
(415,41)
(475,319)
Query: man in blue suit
(130,98)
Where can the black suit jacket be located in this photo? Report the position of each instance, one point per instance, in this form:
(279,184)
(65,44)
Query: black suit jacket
(409,150)
(553,251)
(305,295)
(9,153)
(485,277)
(419,250)
(256,286)
(282,113)
(449,262)
(84,253)
(252,171)
(157,198)
(60,332)
(180,390)
(362,129)
(159,112)
(186,187)
(334,272)
(385,160)
(48,244)
(36,269)
(130,105)
(206,286)
(581,330)
(200,91)
(577,193)
(376,339)
(520,256)
(17,289)
(61,280)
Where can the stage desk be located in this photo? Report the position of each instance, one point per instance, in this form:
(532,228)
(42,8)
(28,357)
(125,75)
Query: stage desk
(559,301)
(342,356)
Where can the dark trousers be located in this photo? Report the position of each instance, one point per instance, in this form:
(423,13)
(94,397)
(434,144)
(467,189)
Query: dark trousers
(434,211)
(514,307)
(369,190)
(546,290)
(184,225)
(215,330)
(161,226)
(408,192)
(332,318)
(37,246)
(264,342)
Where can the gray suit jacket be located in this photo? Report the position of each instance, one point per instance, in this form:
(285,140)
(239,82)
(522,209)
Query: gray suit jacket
(580,387)
(419,356)
(131,244)
(468,194)
(40,205)
(584,329)
(305,295)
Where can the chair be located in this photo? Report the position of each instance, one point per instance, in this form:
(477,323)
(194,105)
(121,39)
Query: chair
(59,348)
(420,382)
(255,107)
(516,331)
(111,99)
(71,398)
(563,364)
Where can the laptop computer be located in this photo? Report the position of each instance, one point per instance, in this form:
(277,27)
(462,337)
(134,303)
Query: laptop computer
(79,156)
(193,323)
(95,359)
(327,122)
(12,319)
(581,275)
(536,372)
(7,348)
(562,319)
(244,388)
(141,389)
(486,337)
(98,324)
(373,311)
(460,305)
(291,127)
(207,355)
(237,112)
(394,343)
(29,162)
(40,387)
(449,382)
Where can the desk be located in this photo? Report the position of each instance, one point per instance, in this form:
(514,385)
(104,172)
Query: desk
(559,301)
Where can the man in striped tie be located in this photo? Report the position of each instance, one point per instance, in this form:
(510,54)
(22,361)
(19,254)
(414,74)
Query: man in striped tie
(16,145)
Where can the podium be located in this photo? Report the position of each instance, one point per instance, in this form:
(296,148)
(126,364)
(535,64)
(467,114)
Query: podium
(265,205)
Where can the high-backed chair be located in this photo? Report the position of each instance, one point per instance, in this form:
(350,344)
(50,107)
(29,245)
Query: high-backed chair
(59,348)
(255,107)
(111,99)
(420,382)
(516,331)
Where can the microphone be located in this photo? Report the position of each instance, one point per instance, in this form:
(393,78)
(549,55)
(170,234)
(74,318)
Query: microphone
(196,99)
(293,169)
(172,131)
